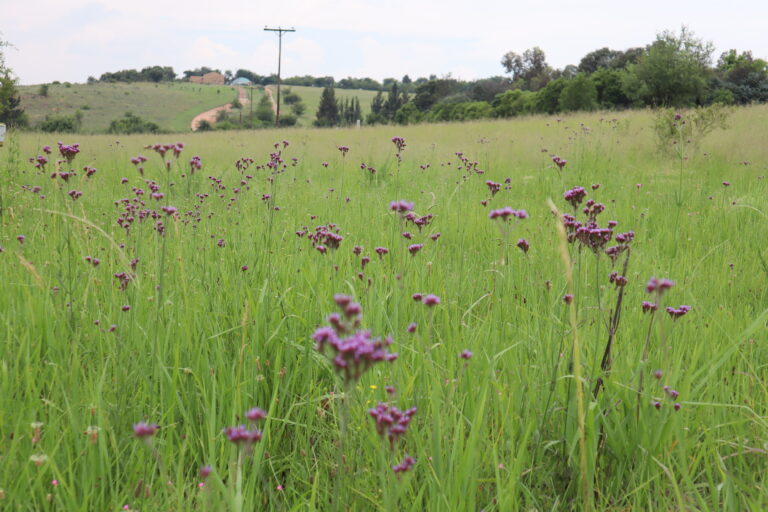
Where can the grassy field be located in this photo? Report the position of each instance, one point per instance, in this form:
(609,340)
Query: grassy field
(208,300)
(171,105)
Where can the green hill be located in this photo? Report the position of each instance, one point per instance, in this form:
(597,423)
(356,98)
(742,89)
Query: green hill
(171,105)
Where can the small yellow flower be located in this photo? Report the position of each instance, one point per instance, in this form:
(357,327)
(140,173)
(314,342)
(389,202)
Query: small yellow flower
(374,386)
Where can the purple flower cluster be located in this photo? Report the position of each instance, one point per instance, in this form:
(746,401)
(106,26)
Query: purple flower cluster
(429,300)
(506,213)
(419,222)
(493,187)
(575,196)
(391,422)
(324,236)
(242,435)
(69,152)
(658,286)
(145,430)
(402,206)
(523,245)
(678,312)
(247,435)
(617,279)
(399,143)
(559,162)
(195,164)
(415,248)
(649,306)
(162,149)
(351,351)
(405,465)
(672,394)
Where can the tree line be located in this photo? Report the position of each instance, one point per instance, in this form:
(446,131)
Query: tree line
(675,70)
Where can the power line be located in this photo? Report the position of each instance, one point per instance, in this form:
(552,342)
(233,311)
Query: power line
(280,32)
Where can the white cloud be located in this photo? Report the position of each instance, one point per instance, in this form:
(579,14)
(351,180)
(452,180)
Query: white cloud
(70,40)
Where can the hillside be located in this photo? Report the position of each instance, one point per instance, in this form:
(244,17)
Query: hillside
(171,105)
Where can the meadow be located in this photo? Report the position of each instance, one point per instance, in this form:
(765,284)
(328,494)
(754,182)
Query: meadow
(149,306)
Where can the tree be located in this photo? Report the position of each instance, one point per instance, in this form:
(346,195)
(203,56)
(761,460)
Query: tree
(264,112)
(601,58)
(328,110)
(11,112)
(393,103)
(672,73)
(377,103)
(530,70)
(745,77)
(579,93)
(408,114)
(548,99)
(429,93)
(488,88)
(610,93)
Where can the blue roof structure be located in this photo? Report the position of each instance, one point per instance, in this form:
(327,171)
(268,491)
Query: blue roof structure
(241,80)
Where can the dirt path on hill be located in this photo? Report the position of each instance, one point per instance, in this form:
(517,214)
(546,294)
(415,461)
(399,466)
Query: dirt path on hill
(268,92)
(212,115)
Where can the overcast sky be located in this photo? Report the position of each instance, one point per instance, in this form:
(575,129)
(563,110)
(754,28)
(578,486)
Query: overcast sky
(69,40)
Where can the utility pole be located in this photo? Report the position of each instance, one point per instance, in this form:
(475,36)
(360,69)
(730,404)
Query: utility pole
(280,32)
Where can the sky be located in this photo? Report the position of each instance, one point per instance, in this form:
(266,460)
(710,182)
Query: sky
(70,40)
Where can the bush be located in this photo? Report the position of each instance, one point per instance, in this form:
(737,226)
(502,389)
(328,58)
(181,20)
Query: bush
(674,128)
(130,123)
(514,103)
(408,114)
(62,124)
(723,96)
(204,126)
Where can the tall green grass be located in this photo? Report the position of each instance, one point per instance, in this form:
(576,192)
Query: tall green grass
(499,431)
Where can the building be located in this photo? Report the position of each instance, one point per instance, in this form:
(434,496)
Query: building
(241,80)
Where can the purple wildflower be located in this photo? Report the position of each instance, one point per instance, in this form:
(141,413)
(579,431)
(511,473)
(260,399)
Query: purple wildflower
(391,422)
(144,430)
(255,414)
(413,249)
(405,465)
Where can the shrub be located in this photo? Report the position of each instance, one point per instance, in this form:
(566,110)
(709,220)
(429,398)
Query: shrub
(62,123)
(674,128)
(130,123)
(514,103)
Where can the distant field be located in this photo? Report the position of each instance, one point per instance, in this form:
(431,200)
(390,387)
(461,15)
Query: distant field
(311,98)
(170,105)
